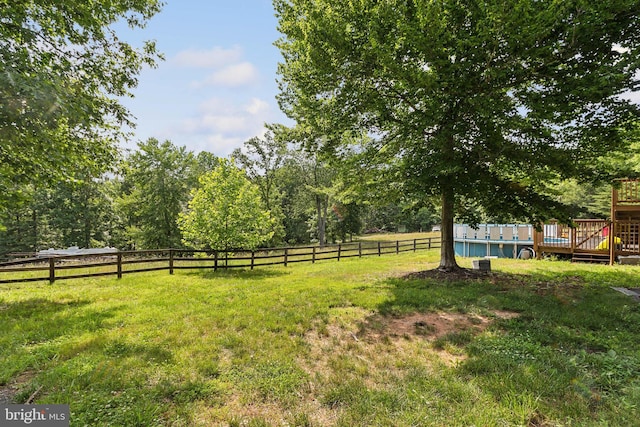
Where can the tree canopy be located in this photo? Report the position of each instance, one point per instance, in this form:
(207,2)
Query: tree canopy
(226,212)
(157,181)
(479,100)
(62,69)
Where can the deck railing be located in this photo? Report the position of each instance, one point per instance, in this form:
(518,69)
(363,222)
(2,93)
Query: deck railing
(589,236)
(584,235)
(629,192)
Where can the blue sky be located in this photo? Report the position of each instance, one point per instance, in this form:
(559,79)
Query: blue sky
(217,85)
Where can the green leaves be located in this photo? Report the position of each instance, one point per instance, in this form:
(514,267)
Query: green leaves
(62,67)
(158,178)
(226,212)
(472,100)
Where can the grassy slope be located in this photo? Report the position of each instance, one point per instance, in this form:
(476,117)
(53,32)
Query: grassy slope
(317,345)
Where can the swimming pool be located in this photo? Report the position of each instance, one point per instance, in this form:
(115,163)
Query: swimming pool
(494,240)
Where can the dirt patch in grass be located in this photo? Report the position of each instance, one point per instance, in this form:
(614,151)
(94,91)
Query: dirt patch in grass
(373,338)
(6,395)
(429,325)
(9,391)
(355,344)
(445,333)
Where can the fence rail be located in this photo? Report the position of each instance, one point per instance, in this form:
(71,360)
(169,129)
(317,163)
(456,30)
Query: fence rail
(126,262)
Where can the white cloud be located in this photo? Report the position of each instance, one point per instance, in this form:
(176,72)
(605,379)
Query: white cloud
(234,75)
(226,122)
(220,123)
(215,57)
(222,145)
(221,126)
(257,106)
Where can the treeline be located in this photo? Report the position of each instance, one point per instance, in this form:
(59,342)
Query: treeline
(137,203)
(147,200)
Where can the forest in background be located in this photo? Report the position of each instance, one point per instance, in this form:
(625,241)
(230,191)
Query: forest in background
(389,136)
(136,203)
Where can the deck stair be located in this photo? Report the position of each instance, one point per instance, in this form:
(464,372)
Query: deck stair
(590,258)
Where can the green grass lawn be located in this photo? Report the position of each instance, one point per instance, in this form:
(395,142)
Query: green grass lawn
(347,343)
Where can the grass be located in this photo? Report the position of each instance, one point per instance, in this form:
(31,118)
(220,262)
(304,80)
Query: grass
(334,343)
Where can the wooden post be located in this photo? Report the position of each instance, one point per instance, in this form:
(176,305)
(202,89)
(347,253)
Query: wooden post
(339,250)
(170,261)
(313,256)
(286,256)
(215,260)
(119,266)
(414,245)
(397,246)
(379,253)
(360,249)
(52,270)
(612,227)
(253,258)
(429,242)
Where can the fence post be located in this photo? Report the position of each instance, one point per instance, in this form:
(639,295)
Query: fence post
(286,256)
(429,242)
(313,256)
(52,270)
(339,250)
(360,249)
(170,261)
(253,258)
(379,253)
(397,246)
(119,267)
(414,245)
(215,260)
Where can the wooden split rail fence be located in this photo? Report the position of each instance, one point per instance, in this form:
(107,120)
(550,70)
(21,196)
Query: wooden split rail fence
(126,262)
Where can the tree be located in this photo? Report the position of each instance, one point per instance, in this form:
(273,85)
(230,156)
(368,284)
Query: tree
(78,213)
(157,181)
(226,212)
(68,213)
(294,203)
(345,219)
(62,69)
(317,179)
(484,100)
(25,227)
(261,158)
(205,162)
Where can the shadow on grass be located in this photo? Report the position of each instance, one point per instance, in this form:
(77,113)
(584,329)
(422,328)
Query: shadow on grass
(573,343)
(530,294)
(244,274)
(34,330)
(51,344)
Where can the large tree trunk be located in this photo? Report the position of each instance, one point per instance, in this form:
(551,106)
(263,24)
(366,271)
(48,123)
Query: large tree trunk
(447,252)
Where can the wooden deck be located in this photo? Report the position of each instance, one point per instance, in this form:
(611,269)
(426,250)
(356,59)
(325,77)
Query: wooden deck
(589,237)
(598,238)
